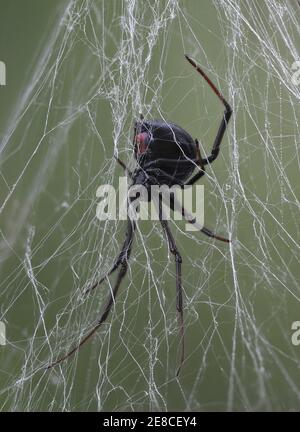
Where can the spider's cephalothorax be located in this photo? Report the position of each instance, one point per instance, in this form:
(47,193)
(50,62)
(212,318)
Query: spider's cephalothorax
(165,154)
(160,148)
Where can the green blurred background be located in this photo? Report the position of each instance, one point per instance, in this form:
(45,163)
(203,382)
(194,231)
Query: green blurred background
(78,74)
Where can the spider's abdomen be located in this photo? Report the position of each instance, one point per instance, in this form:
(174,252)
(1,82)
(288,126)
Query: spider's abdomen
(167,144)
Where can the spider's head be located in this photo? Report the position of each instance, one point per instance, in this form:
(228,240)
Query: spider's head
(141,141)
(142,138)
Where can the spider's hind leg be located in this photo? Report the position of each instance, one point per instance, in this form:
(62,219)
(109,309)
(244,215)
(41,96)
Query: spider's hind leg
(109,303)
(123,256)
(226,116)
(179,294)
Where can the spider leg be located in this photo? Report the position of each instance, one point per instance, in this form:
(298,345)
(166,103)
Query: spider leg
(123,255)
(193,221)
(111,298)
(123,165)
(178,261)
(103,316)
(195,178)
(201,173)
(226,115)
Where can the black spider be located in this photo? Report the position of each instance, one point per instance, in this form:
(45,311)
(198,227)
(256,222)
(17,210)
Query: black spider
(166,154)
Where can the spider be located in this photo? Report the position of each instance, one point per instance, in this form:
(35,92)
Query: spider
(165,154)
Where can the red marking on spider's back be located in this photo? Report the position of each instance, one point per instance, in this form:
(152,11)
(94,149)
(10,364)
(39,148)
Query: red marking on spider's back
(142,140)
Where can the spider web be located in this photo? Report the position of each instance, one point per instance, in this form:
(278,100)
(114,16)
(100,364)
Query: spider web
(99,67)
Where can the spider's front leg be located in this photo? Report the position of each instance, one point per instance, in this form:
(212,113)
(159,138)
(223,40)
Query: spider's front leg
(124,166)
